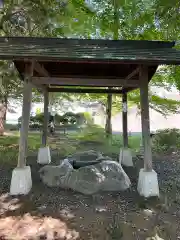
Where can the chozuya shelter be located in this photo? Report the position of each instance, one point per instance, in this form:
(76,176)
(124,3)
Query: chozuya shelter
(50,64)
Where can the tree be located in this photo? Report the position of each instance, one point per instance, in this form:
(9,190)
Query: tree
(130,19)
(108,127)
(136,19)
(11,86)
(17,19)
(42,18)
(2,113)
(142,20)
(34,18)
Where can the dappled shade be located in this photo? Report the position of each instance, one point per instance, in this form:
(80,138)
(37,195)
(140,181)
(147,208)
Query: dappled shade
(31,226)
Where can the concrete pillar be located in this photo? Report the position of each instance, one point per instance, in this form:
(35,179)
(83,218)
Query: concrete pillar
(21,182)
(44,156)
(148,182)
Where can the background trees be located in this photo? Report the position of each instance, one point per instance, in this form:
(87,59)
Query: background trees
(141,20)
(110,19)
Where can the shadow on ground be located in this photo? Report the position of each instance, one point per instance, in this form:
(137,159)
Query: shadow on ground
(53,213)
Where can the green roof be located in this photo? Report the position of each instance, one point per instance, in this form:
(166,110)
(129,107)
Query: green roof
(50,49)
(87,62)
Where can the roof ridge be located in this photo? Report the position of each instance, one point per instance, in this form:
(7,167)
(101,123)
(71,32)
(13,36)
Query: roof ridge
(106,42)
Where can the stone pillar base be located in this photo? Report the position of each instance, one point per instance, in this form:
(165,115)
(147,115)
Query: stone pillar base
(148,184)
(44,156)
(21,182)
(125,157)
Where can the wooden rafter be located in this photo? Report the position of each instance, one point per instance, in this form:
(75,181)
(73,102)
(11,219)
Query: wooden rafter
(40,69)
(133,73)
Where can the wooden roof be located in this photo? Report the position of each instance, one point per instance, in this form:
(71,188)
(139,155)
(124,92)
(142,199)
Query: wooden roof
(82,62)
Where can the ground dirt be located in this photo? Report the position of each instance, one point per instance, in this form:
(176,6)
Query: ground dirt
(53,213)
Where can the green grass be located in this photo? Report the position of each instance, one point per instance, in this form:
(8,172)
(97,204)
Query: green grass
(89,138)
(9,146)
(95,137)
(12,142)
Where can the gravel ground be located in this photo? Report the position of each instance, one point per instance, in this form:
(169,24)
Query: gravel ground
(51,213)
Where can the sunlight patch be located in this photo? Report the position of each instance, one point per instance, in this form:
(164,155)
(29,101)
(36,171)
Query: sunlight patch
(27,227)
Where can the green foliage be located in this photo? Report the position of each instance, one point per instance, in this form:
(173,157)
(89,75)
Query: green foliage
(10,84)
(88,118)
(39,118)
(35,122)
(160,104)
(140,20)
(68,119)
(167,140)
(84,118)
(20,18)
(38,111)
(41,18)
(36,18)
(134,141)
(130,19)
(92,134)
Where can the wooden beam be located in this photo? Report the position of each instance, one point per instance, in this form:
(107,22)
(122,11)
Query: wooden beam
(145,118)
(85,90)
(133,73)
(39,87)
(40,70)
(114,82)
(109,115)
(125,120)
(46,118)
(27,97)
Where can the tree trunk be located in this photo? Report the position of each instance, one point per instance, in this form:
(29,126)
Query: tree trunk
(109,98)
(108,127)
(1,126)
(6,105)
(2,114)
